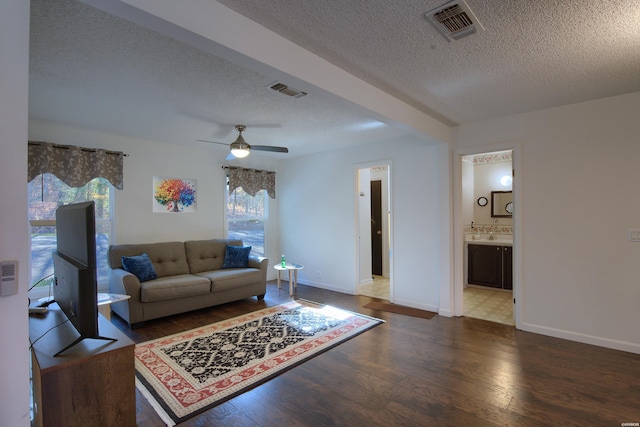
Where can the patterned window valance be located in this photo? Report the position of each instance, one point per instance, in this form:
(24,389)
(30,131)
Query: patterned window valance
(75,166)
(252,181)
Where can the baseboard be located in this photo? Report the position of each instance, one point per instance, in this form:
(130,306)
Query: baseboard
(325,286)
(366,281)
(445,312)
(583,338)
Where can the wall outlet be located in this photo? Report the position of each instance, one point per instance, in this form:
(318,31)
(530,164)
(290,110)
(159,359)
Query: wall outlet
(319,274)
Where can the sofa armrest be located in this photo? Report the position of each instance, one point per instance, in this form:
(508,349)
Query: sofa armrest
(123,282)
(260,263)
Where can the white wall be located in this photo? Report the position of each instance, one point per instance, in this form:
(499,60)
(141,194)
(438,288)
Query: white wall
(578,181)
(134,220)
(487,179)
(319,218)
(468,193)
(14,237)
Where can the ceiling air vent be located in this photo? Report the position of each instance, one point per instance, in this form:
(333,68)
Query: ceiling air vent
(454,20)
(289,91)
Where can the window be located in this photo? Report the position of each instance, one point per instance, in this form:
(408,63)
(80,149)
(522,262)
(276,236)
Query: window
(46,192)
(246,216)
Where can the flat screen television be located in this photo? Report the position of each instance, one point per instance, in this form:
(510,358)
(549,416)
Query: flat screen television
(75,287)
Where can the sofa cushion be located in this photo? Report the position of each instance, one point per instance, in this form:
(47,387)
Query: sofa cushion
(231,278)
(236,257)
(174,287)
(140,266)
(207,255)
(168,258)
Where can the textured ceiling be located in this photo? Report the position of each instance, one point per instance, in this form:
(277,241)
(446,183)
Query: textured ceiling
(532,54)
(96,71)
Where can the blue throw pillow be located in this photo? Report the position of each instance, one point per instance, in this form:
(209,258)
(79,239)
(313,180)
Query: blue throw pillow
(236,257)
(140,266)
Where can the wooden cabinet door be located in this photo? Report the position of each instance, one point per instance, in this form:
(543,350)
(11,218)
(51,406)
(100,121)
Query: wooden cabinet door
(485,265)
(507,265)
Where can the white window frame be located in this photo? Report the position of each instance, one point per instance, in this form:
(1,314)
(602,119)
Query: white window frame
(103,286)
(265,218)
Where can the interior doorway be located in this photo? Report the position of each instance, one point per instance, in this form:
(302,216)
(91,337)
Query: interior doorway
(374,232)
(487,236)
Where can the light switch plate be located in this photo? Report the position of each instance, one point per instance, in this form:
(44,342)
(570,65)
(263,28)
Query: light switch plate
(634,235)
(8,278)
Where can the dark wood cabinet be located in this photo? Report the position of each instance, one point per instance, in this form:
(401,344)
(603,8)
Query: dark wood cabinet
(490,265)
(507,267)
(485,265)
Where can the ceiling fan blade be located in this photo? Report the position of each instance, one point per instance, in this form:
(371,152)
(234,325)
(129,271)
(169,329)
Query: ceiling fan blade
(270,148)
(213,142)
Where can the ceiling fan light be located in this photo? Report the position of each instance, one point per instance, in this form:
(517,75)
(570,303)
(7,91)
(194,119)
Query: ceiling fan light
(239,147)
(240,152)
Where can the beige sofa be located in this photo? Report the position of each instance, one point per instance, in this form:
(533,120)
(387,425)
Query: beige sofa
(190,277)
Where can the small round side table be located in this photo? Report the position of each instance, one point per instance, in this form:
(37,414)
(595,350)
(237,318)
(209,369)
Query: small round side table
(293,274)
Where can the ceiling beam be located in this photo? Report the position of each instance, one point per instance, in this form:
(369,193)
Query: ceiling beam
(214,28)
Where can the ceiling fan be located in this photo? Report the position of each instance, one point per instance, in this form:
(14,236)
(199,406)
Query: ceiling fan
(240,148)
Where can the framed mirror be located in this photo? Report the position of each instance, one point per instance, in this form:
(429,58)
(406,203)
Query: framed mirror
(509,208)
(482,201)
(501,204)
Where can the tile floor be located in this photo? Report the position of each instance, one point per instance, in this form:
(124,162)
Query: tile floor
(480,303)
(489,304)
(378,289)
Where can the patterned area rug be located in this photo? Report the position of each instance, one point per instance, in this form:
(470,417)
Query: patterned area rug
(187,373)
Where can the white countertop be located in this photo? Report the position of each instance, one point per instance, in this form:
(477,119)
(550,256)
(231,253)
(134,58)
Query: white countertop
(497,240)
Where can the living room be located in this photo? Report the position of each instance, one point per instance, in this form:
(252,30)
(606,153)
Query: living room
(575,173)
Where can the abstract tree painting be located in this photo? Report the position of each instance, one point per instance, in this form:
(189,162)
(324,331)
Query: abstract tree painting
(174,195)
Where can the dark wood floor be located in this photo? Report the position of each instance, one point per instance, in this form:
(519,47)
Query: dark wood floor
(411,371)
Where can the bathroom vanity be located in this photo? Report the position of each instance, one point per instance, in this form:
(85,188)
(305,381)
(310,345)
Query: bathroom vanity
(489,263)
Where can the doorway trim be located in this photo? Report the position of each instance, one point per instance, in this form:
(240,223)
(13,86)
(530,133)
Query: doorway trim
(357,168)
(458,226)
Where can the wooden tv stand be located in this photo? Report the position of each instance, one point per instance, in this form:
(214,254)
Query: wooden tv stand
(90,384)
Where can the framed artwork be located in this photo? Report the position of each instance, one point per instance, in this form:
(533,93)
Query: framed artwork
(174,195)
